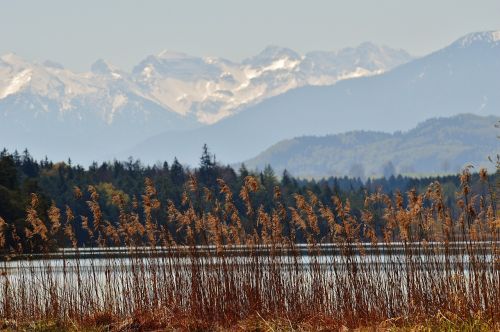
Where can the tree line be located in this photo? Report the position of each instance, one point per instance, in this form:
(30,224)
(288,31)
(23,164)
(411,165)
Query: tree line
(57,184)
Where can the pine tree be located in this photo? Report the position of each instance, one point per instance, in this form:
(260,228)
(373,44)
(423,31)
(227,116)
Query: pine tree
(206,172)
(177,174)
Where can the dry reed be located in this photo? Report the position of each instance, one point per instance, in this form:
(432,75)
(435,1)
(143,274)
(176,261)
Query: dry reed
(406,260)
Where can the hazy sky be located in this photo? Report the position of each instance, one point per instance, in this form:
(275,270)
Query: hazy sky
(76,33)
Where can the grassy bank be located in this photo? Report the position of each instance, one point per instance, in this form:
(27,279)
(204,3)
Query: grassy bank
(101,324)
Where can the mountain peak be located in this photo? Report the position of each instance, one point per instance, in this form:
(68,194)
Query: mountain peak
(368,45)
(271,53)
(169,55)
(52,64)
(278,51)
(102,67)
(479,38)
(12,58)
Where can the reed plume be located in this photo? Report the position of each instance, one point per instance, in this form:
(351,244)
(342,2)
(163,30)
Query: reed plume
(222,258)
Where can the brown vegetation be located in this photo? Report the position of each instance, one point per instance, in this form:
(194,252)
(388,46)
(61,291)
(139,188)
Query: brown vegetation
(202,269)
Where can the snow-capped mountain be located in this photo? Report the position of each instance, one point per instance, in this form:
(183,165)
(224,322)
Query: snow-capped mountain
(106,108)
(168,98)
(213,88)
(206,88)
(49,90)
(486,39)
(54,111)
(463,77)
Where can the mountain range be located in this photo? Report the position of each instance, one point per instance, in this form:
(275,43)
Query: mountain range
(439,145)
(92,115)
(170,104)
(463,77)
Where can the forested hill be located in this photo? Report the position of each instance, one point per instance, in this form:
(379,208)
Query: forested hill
(440,145)
(68,186)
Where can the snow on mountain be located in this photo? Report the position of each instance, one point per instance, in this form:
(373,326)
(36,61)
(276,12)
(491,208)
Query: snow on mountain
(204,89)
(325,68)
(213,88)
(207,89)
(104,90)
(19,76)
(54,111)
(106,108)
(489,38)
(447,82)
(97,113)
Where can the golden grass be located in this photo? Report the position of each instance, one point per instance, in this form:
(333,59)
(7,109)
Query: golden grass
(310,266)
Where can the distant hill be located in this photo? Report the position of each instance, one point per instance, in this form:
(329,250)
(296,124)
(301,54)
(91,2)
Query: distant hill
(441,145)
(461,78)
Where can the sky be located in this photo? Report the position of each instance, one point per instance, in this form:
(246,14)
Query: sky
(123,32)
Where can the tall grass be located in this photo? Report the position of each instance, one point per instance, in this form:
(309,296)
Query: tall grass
(407,259)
